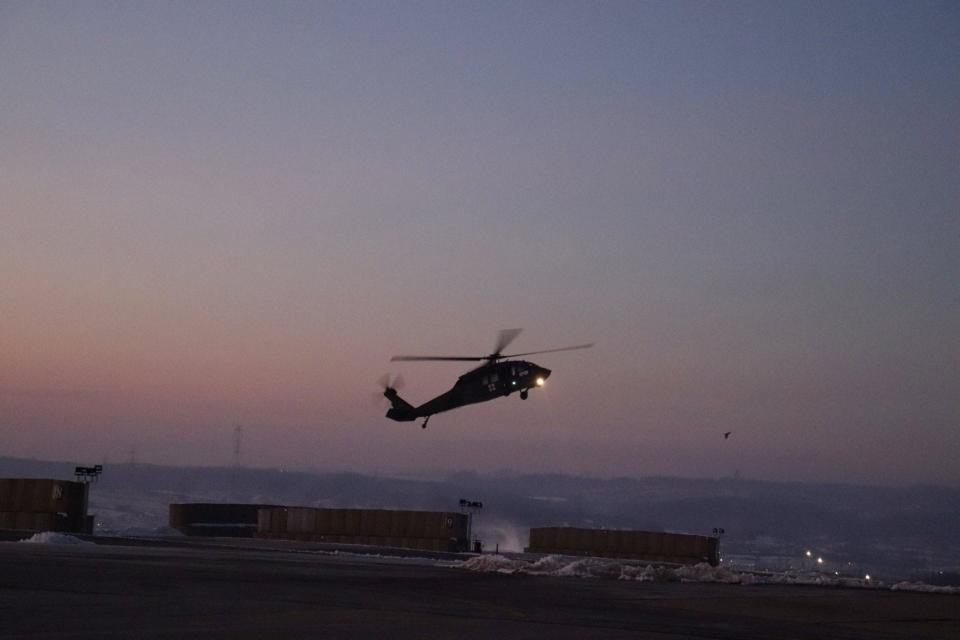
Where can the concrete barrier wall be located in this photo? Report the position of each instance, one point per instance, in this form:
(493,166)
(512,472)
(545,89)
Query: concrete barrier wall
(642,545)
(29,521)
(216,519)
(43,504)
(431,530)
(41,495)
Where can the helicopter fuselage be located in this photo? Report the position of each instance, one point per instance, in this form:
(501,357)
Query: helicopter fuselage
(486,382)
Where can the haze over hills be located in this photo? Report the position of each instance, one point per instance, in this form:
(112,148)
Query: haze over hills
(895,531)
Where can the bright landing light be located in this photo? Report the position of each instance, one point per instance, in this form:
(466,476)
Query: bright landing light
(540,382)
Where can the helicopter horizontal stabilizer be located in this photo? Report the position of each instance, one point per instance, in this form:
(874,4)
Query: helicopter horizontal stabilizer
(400,410)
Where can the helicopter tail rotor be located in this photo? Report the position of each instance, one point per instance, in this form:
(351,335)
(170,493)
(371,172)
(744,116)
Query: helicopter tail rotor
(389,388)
(400,409)
(386,383)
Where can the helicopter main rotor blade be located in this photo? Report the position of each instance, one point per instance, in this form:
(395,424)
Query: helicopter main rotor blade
(451,358)
(504,339)
(533,353)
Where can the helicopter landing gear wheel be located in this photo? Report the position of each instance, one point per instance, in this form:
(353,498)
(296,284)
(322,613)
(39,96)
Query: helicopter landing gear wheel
(523,394)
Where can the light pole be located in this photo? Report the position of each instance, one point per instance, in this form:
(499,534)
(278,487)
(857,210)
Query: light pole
(86,475)
(470,507)
(718,533)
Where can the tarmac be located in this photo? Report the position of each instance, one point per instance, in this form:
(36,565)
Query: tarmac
(214,589)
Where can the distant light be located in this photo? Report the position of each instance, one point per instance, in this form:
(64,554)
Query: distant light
(540,382)
(513,382)
(866,577)
(819,560)
(836,573)
(808,553)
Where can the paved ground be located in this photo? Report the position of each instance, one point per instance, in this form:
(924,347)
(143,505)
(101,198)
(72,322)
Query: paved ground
(59,591)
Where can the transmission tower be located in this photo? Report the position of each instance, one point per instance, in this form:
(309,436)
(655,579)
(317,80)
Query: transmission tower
(235,471)
(237,444)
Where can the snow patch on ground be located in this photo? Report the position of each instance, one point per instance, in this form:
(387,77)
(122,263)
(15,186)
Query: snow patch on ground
(703,572)
(553,565)
(52,537)
(924,588)
(491,563)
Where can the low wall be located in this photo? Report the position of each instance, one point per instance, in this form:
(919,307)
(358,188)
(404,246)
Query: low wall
(612,543)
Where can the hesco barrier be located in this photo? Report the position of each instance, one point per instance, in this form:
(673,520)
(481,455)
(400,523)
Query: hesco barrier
(212,519)
(640,545)
(42,504)
(40,495)
(425,530)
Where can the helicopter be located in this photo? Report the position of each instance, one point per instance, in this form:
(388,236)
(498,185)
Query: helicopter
(497,377)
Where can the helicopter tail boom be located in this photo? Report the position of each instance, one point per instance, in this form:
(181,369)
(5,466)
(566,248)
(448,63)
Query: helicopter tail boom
(400,410)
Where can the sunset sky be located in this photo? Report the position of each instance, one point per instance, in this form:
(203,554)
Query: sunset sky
(235,212)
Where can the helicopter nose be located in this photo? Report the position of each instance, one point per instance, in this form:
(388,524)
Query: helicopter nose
(542,376)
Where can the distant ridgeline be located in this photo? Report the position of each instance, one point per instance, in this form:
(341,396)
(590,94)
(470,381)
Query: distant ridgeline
(860,524)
